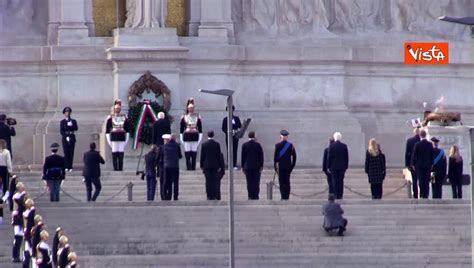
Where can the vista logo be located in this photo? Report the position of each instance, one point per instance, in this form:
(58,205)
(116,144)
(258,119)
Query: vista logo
(426,53)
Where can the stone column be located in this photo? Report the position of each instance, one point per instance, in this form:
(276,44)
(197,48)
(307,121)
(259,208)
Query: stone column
(89,17)
(54,11)
(72,29)
(193,16)
(216,22)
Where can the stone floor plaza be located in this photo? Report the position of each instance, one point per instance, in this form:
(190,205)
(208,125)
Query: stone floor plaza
(312,67)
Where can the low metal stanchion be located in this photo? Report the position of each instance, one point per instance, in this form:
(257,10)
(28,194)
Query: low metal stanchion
(270,190)
(130,191)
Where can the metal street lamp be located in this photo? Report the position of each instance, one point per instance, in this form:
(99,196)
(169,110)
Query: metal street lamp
(464,20)
(228,93)
(467,21)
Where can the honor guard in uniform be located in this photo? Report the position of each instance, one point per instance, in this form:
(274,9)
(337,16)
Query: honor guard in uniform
(236,125)
(19,199)
(67,128)
(191,134)
(63,252)
(72,258)
(44,259)
(12,190)
(54,172)
(117,133)
(17,223)
(35,235)
(284,162)
(29,219)
(438,172)
(59,232)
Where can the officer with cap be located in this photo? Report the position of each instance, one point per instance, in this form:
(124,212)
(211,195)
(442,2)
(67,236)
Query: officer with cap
(438,172)
(54,172)
(67,128)
(284,162)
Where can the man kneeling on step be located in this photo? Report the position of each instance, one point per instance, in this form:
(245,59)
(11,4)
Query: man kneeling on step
(333,219)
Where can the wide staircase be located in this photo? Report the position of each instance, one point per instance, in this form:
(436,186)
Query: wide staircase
(192,232)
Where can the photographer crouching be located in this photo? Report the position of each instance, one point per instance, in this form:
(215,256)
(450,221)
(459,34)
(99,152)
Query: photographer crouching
(7,131)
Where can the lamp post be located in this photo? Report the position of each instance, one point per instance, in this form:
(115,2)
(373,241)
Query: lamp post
(228,93)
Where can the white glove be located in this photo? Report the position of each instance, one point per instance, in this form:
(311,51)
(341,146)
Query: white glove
(68,139)
(69,123)
(181,138)
(200,138)
(108,139)
(127,137)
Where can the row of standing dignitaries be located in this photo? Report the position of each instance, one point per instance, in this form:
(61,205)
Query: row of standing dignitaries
(163,162)
(427,163)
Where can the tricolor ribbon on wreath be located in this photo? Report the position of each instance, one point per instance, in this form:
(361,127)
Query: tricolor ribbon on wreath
(146,110)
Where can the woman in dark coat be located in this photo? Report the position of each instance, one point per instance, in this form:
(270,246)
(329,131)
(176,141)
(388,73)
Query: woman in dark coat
(455,171)
(375,168)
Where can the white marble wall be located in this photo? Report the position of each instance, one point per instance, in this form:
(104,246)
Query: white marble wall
(342,82)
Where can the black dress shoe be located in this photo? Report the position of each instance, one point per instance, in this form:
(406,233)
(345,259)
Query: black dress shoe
(16,260)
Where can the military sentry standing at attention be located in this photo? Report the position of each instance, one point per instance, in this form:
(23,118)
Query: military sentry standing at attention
(284,162)
(67,128)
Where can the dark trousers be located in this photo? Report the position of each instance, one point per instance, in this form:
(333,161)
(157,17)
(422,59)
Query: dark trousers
(4,179)
(456,185)
(235,146)
(212,184)
(97,186)
(329,179)
(341,229)
(414,183)
(191,157)
(171,183)
(438,186)
(424,181)
(150,188)
(376,189)
(16,247)
(284,181)
(253,183)
(337,176)
(162,183)
(54,188)
(117,160)
(68,148)
(27,259)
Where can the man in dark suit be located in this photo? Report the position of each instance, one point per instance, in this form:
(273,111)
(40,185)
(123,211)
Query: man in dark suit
(439,169)
(211,164)
(151,172)
(284,161)
(67,127)
(325,167)
(236,125)
(408,153)
(54,172)
(161,167)
(338,163)
(161,127)
(333,219)
(171,156)
(6,132)
(91,171)
(422,161)
(252,165)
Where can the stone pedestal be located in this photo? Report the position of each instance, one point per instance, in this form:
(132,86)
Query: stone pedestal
(137,50)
